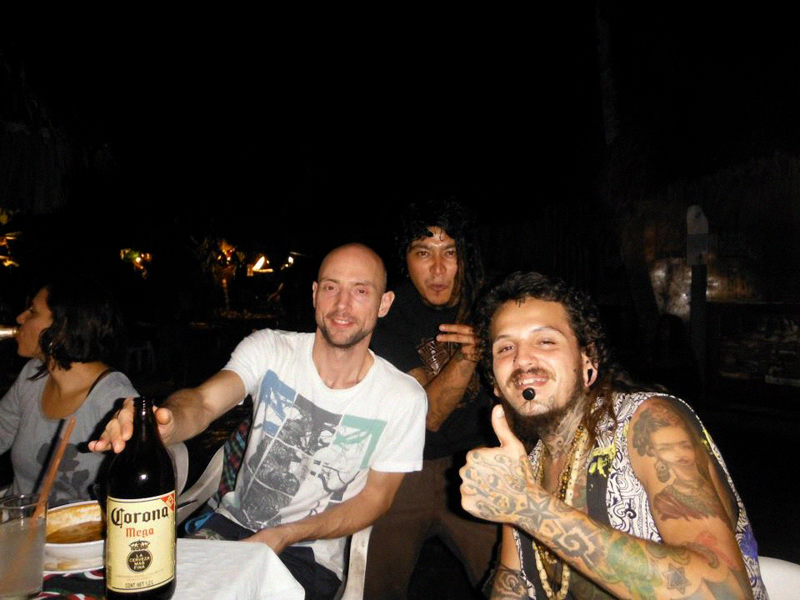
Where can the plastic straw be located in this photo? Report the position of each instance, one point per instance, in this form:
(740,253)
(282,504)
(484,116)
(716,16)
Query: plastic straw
(44,492)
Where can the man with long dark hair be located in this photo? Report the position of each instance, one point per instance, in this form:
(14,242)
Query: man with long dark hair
(625,494)
(429,335)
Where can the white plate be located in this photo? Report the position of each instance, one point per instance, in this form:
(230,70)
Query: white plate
(52,568)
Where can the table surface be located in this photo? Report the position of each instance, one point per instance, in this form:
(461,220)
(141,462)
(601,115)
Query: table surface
(216,570)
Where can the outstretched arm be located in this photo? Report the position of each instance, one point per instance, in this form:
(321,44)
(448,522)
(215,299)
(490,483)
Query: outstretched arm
(183,415)
(446,389)
(698,559)
(346,518)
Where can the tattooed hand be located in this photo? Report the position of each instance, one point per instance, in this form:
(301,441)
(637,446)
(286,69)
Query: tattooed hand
(496,481)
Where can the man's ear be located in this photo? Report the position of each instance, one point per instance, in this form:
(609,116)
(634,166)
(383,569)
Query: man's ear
(590,373)
(314,294)
(386,303)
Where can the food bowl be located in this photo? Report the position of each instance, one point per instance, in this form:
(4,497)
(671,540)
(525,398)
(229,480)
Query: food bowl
(75,537)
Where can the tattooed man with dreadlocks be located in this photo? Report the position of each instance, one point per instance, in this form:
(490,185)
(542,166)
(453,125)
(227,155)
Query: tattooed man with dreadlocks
(429,335)
(625,495)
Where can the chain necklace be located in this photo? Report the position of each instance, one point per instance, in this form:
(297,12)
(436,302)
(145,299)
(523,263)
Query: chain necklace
(566,491)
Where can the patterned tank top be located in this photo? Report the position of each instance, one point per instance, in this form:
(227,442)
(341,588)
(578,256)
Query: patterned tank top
(616,497)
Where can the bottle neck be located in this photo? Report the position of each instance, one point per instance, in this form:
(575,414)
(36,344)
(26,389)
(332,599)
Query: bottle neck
(8,331)
(144,421)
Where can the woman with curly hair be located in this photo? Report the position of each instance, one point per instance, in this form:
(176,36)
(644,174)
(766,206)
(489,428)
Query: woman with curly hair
(71,332)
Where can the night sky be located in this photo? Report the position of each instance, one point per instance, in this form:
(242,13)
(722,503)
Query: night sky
(319,112)
(326,124)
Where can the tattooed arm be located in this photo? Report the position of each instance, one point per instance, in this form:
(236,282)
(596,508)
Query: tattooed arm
(446,389)
(508,583)
(692,507)
(698,559)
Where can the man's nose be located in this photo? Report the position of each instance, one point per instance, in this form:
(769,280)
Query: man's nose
(342,299)
(21,317)
(437,266)
(526,355)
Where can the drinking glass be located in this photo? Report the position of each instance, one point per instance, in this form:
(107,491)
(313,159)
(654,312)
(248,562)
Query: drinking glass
(22,542)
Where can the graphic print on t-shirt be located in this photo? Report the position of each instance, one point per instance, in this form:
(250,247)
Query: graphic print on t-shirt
(304,457)
(72,481)
(434,355)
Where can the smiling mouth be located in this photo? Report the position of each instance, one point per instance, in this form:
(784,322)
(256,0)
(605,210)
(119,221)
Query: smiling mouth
(339,320)
(534,378)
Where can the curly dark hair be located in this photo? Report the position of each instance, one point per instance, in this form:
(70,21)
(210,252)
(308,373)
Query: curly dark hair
(584,319)
(87,324)
(457,222)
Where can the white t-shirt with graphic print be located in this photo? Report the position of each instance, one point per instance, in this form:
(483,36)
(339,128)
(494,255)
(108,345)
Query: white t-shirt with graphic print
(311,446)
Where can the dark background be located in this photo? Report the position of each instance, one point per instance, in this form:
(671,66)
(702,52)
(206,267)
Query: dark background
(306,129)
(578,135)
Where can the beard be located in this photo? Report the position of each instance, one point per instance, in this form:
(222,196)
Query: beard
(530,428)
(341,342)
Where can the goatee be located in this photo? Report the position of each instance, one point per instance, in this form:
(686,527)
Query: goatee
(530,428)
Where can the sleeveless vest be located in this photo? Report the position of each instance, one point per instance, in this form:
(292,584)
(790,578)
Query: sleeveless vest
(616,497)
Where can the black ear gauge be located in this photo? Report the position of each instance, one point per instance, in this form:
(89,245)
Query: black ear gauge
(589,374)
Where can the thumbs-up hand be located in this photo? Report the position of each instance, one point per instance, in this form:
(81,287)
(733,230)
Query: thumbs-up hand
(495,481)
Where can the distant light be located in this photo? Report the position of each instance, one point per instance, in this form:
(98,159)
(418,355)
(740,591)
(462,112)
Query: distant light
(138,259)
(289,263)
(262,265)
(6,259)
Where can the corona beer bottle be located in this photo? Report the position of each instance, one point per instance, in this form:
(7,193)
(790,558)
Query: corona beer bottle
(140,515)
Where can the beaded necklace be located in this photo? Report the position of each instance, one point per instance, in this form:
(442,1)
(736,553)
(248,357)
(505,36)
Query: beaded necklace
(566,491)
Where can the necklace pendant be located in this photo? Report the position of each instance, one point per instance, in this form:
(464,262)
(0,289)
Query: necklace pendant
(566,488)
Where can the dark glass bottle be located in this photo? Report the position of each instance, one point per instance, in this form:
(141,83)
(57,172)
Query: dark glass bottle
(140,515)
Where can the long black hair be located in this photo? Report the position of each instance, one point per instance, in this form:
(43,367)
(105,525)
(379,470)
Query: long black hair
(457,222)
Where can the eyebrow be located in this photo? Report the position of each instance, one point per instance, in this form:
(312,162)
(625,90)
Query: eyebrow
(334,280)
(426,243)
(543,328)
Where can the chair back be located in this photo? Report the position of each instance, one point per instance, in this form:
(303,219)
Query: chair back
(781,578)
(189,500)
(353,587)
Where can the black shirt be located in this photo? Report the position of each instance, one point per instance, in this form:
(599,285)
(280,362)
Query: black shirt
(404,337)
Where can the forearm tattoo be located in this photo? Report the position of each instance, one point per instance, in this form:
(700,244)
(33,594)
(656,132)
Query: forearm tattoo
(620,564)
(508,585)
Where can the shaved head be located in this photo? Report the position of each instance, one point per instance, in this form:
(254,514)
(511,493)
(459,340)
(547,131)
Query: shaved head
(350,295)
(357,253)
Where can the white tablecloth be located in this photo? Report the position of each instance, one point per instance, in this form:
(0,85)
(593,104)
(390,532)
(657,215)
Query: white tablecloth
(217,570)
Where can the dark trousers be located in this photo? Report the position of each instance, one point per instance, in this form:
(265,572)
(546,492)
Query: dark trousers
(426,505)
(319,582)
